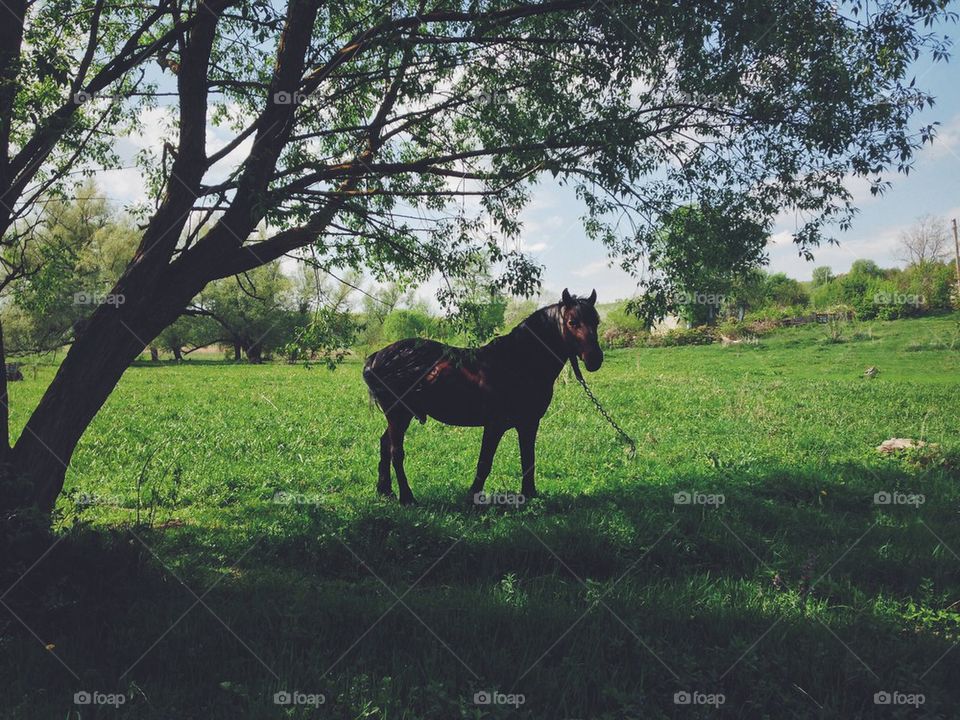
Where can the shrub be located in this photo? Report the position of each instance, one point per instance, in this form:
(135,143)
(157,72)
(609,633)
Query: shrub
(733,330)
(784,291)
(621,329)
(699,335)
(775,313)
(401,324)
(615,337)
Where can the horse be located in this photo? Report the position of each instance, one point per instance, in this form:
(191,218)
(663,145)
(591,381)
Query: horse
(505,384)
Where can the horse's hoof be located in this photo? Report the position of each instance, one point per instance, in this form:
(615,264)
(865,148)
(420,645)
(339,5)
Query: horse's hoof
(407,500)
(385,493)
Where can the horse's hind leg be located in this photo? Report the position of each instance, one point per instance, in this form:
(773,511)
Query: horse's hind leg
(397,427)
(383,471)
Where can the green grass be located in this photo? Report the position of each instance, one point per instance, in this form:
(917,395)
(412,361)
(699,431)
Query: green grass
(797,597)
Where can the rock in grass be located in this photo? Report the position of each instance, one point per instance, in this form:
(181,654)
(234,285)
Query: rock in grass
(871,372)
(897,444)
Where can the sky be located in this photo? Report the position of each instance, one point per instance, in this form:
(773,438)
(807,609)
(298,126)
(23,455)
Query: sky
(553,236)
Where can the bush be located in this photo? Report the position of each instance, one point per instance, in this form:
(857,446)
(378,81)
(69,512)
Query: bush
(776,313)
(699,335)
(616,337)
(733,330)
(620,328)
(783,291)
(402,324)
(930,285)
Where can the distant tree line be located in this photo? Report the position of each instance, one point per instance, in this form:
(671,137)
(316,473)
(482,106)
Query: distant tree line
(303,313)
(294,311)
(705,269)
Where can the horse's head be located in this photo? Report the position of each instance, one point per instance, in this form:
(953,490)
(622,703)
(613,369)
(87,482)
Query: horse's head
(578,324)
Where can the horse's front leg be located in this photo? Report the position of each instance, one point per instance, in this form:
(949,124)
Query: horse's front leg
(488,448)
(528,439)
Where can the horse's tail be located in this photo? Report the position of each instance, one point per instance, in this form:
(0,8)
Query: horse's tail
(370,377)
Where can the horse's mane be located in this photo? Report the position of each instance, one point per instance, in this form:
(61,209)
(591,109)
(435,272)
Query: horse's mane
(539,334)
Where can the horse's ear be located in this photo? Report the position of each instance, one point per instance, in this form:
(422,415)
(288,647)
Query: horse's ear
(565,298)
(593,298)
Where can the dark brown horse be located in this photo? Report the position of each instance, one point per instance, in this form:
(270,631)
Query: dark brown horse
(505,384)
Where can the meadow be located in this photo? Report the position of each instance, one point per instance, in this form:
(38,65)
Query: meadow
(220,541)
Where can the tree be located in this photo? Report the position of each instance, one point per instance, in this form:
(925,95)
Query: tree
(72,259)
(190,332)
(695,260)
(253,310)
(748,291)
(859,288)
(368,124)
(821,276)
(480,304)
(400,324)
(376,305)
(928,241)
(866,269)
(322,326)
(784,291)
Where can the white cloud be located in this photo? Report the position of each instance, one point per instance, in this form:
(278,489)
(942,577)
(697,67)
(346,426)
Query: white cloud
(590,269)
(947,141)
(123,186)
(534,247)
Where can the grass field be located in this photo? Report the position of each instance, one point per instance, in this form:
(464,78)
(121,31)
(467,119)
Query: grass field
(220,541)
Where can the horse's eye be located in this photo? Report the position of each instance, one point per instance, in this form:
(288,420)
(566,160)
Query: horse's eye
(574,323)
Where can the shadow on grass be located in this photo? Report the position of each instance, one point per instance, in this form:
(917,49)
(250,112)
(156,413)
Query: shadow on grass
(792,598)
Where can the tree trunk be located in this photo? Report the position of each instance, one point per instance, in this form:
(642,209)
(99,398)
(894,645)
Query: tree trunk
(112,340)
(178,354)
(83,382)
(255,353)
(237,351)
(4,414)
(154,353)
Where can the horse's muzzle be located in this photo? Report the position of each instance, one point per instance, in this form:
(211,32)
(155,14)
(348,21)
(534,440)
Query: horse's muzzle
(593,360)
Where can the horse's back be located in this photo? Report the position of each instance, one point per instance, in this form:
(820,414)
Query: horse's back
(428,378)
